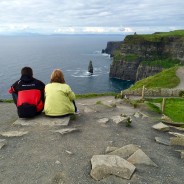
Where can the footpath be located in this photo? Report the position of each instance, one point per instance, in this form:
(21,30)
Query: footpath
(94,147)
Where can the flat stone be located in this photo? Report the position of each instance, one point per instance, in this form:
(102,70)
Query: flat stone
(119,119)
(43,120)
(177,134)
(13,133)
(3,142)
(88,110)
(104,165)
(137,115)
(177,141)
(161,127)
(110,149)
(66,130)
(125,151)
(139,157)
(161,140)
(103,120)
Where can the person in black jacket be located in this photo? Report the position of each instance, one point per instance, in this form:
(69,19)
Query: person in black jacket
(28,94)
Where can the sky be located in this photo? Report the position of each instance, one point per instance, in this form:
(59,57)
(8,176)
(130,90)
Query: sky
(90,16)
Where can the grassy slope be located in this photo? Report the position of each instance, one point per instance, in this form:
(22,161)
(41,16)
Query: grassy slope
(173,108)
(165,79)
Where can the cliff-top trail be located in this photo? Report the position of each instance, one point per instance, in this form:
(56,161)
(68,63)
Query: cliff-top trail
(180,74)
(45,156)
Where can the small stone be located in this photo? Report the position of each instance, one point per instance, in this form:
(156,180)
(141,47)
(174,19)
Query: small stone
(57,162)
(161,127)
(66,130)
(119,119)
(166,119)
(69,152)
(137,115)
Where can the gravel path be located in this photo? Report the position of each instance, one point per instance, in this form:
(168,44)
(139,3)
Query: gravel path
(44,157)
(180,74)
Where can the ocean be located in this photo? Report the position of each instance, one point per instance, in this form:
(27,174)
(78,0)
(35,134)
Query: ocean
(70,53)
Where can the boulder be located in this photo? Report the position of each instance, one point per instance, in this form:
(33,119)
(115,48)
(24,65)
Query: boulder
(104,165)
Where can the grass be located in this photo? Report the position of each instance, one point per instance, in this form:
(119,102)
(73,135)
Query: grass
(173,107)
(165,79)
(156,37)
(164,63)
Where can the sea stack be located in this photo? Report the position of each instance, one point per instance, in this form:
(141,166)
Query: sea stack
(90,67)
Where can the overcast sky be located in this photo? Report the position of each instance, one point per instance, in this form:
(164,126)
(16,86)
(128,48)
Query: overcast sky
(90,16)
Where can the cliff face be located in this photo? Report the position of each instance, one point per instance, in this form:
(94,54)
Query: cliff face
(111,47)
(138,53)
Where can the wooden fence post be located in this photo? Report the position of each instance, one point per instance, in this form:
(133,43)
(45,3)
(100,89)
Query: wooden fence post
(163,105)
(143,89)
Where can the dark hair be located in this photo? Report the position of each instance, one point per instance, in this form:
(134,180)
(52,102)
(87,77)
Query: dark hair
(57,76)
(27,71)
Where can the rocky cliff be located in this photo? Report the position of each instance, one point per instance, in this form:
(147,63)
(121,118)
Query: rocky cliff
(140,56)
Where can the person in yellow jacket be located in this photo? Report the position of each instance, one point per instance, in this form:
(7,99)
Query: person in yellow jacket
(59,98)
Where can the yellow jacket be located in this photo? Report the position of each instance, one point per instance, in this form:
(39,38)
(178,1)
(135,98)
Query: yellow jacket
(58,99)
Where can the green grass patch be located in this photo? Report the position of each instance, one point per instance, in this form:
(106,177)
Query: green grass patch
(173,108)
(165,79)
(164,63)
(131,57)
(93,95)
(117,56)
(6,100)
(156,37)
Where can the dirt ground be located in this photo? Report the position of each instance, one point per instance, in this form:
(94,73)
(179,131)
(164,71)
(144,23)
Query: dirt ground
(42,156)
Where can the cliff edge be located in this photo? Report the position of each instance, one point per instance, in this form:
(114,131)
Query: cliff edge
(140,56)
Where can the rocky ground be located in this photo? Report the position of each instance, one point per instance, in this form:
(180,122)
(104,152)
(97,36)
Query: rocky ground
(47,157)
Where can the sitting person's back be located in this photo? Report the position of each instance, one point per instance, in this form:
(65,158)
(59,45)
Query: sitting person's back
(58,96)
(28,94)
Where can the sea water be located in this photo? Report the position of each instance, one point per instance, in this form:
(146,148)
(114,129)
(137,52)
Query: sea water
(70,53)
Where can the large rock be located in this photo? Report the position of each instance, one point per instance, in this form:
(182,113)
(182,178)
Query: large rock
(139,157)
(161,127)
(104,165)
(125,151)
(110,149)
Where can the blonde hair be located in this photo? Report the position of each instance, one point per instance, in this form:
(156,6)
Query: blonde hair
(57,76)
